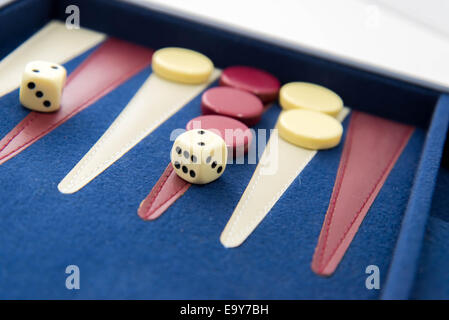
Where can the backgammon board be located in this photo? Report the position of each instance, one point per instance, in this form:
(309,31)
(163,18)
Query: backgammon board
(368,199)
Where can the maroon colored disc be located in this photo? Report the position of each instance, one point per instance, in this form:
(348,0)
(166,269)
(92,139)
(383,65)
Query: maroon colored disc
(234,103)
(257,81)
(235,133)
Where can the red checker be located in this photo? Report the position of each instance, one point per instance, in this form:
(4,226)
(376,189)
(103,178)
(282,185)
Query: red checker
(257,81)
(233,103)
(235,133)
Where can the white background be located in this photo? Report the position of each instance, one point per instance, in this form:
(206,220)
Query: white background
(407,39)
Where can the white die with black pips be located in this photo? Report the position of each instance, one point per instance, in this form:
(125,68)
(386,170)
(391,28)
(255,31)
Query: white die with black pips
(199,156)
(42,85)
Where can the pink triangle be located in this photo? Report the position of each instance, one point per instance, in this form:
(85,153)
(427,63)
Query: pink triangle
(165,192)
(370,152)
(110,65)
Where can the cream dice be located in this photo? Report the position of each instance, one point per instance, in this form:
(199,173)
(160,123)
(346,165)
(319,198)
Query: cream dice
(199,156)
(42,84)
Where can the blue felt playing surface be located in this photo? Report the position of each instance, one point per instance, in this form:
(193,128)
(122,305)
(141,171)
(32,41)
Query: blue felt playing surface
(405,262)
(433,278)
(179,255)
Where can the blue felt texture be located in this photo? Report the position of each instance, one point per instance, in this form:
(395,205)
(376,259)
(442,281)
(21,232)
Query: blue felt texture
(405,261)
(433,276)
(440,201)
(179,256)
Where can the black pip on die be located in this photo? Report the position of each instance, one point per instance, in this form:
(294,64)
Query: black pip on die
(41,87)
(199,156)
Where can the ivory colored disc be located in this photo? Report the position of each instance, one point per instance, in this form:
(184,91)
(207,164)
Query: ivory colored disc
(309,129)
(304,95)
(182,65)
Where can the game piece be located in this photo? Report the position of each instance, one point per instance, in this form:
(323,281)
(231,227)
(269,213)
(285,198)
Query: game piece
(42,84)
(236,134)
(182,65)
(371,149)
(54,42)
(116,59)
(233,103)
(91,244)
(257,81)
(170,186)
(309,129)
(280,164)
(199,156)
(304,95)
(155,102)
(283,159)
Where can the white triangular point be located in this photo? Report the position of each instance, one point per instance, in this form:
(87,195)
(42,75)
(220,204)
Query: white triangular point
(155,102)
(280,164)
